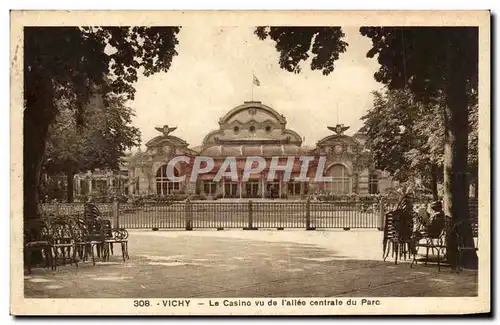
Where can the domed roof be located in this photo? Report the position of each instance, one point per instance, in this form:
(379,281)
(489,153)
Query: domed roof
(252,123)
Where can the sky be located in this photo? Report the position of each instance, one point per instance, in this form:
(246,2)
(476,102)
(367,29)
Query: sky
(212,74)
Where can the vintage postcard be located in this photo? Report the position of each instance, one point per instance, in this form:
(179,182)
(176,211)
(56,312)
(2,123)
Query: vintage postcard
(250,163)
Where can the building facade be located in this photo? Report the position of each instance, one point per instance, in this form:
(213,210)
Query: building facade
(101,182)
(255,129)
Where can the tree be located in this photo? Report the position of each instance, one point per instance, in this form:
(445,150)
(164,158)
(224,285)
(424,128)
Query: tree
(72,64)
(406,137)
(296,44)
(434,61)
(429,61)
(99,143)
(473,152)
(390,129)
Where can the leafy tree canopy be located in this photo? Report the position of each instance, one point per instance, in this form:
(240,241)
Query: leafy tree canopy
(72,64)
(76,58)
(407,136)
(99,143)
(296,44)
(419,57)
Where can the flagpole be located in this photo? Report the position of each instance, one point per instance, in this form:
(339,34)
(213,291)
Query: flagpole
(338,118)
(252,84)
(252,89)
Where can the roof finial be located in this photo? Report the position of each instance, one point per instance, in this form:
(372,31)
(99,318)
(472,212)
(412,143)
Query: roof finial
(165,129)
(339,128)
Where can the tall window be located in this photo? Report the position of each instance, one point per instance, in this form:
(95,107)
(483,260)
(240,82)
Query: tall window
(272,189)
(373,184)
(231,189)
(209,187)
(306,187)
(252,188)
(293,188)
(164,186)
(341,182)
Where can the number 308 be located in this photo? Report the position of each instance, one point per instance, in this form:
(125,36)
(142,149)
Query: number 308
(141,303)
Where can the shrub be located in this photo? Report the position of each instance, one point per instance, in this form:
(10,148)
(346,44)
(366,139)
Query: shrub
(53,189)
(179,197)
(197,197)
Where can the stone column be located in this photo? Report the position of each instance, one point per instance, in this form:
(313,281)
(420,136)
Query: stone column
(363,181)
(90,177)
(76,181)
(354,180)
(108,179)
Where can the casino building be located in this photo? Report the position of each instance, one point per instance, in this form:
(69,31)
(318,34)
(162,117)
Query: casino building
(255,129)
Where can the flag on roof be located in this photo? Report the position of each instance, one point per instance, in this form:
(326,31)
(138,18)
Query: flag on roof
(256,81)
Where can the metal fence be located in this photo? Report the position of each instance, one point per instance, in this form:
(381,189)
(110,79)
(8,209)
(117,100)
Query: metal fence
(247,215)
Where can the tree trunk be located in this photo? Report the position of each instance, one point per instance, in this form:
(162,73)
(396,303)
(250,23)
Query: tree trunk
(455,156)
(70,173)
(476,189)
(38,113)
(35,131)
(434,178)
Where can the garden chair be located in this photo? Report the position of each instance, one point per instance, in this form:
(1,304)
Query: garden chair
(38,237)
(433,242)
(398,229)
(115,236)
(79,227)
(432,235)
(88,236)
(63,241)
(397,235)
(91,211)
(93,217)
(464,246)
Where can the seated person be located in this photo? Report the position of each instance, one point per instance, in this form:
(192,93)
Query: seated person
(429,225)
(437,221)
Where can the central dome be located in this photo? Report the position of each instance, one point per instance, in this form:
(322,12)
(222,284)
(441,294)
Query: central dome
(251,124)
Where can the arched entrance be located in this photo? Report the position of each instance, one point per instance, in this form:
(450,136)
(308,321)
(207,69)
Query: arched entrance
(341,180)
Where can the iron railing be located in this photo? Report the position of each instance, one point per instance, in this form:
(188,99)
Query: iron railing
(247,215)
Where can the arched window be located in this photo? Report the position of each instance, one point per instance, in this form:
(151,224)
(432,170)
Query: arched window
(341,182)
(164,186)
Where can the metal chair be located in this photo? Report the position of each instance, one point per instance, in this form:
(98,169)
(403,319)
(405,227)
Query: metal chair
(63,241)
(115,236)
(430,242)
(397,235)
(38,237)
(89,237)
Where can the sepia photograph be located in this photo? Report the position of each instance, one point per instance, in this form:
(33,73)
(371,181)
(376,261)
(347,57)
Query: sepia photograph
(256,163)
